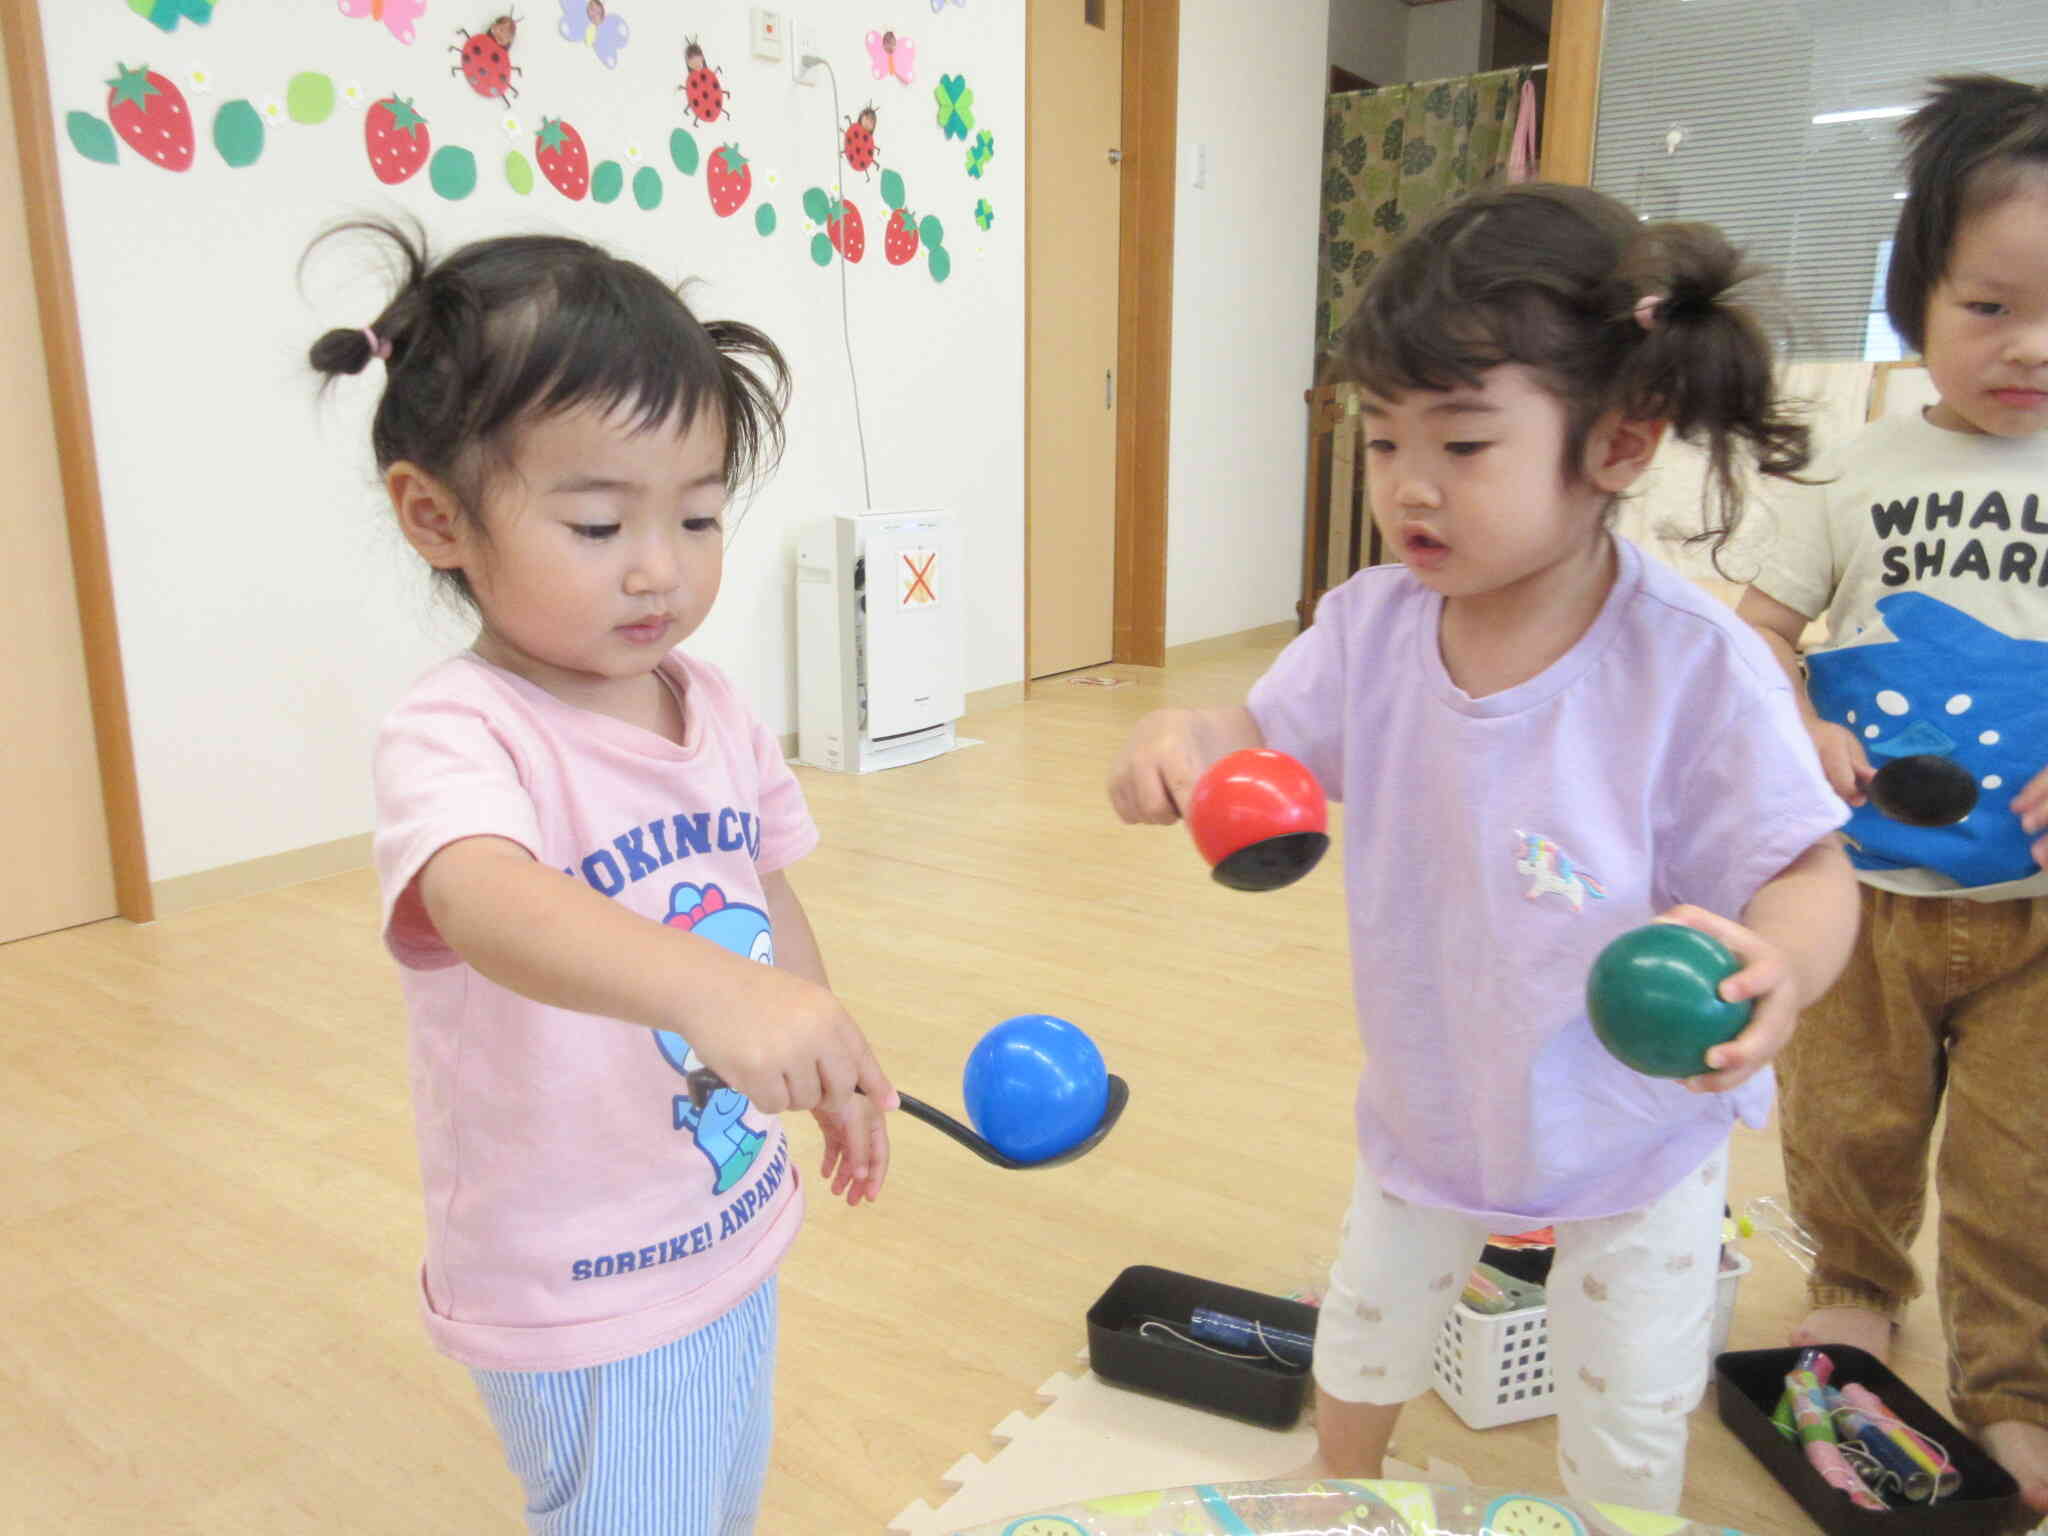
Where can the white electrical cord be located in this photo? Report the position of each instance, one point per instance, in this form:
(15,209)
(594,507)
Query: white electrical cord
(808,62)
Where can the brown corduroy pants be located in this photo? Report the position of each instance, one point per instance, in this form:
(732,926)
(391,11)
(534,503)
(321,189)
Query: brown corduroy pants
(1945,1002)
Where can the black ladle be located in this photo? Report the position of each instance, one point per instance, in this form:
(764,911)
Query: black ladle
(1924,790)
(981,1146)
(703,1080)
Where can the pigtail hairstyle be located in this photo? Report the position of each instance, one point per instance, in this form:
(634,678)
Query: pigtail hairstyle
(504,331)
(1610,313)
(1964,149)
(1704,364)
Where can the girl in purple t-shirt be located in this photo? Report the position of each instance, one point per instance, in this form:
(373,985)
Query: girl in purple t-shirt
(582,836)
(1521,696)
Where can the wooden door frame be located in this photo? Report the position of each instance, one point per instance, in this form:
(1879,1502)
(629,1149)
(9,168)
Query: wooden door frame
(1144,351)
(64,350)
(1144,397)
(1572,106)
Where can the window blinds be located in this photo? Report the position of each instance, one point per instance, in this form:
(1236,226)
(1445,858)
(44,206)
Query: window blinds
(1707,112)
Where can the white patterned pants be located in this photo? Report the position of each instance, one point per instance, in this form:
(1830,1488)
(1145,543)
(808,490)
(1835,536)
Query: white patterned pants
(1631,1301)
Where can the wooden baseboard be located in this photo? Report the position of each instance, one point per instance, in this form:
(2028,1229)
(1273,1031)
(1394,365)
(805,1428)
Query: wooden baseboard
(254,876)
(1243,639)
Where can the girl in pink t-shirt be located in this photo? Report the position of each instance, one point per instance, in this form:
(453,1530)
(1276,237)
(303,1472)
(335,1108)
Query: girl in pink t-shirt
(1542,740)
(582,834)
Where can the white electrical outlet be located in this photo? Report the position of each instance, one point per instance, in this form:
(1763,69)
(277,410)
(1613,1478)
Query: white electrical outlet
(768,31)
(804,44)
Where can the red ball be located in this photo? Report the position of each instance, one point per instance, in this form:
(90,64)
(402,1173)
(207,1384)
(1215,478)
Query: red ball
(1259,799)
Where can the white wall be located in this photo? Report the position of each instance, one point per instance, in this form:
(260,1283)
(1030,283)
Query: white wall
(1244,284)
(1449,38)
(268,614)
(1369,38)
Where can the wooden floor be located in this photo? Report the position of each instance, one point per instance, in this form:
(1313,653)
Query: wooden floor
(212,1224)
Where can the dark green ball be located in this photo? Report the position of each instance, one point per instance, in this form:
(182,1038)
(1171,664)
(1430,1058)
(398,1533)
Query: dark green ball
(1653,996)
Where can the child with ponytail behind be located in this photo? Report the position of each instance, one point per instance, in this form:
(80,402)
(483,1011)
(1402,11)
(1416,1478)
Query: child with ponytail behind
(1542,739)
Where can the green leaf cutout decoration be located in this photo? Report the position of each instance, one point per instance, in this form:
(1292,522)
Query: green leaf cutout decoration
(452,172)
(821,250)
(941,263)
(91,137)
(238,133)
(607,182)
(519,173)
(817,206)
(892,189)
(647,189)
(682,148)
(931,232)
(309,98)
(764,219)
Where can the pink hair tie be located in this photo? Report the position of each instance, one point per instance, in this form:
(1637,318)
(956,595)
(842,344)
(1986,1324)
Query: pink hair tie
(1648,307)
(380,347)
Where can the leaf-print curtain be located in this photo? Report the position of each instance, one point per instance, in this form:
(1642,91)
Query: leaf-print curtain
(1394,156)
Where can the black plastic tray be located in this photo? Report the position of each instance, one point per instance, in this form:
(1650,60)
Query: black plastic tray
(1259,1391)
(1749,1383)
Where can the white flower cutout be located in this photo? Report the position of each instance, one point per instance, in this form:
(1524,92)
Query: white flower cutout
(272,110)
(633,151)
(200,78)
(809,227)
(514,129)
(773,178)
(352,95)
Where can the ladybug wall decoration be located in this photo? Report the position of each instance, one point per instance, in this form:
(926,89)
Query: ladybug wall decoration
(703,88)
(861,150)
(486,59)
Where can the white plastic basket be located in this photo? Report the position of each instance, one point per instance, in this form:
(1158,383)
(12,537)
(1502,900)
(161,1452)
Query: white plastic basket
(1495,1369)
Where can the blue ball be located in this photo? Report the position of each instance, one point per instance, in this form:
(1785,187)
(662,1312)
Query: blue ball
(1035,1086)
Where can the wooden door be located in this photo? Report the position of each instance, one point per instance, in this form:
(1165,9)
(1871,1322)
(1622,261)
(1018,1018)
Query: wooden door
(1074,91)
(58,870)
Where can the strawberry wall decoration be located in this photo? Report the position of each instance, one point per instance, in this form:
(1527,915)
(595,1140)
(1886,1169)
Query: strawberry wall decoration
(729,179)
(906,234)
(396,138)
(149,112)
(559,152)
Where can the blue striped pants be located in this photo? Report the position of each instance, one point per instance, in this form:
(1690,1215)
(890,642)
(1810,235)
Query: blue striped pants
(670,1443)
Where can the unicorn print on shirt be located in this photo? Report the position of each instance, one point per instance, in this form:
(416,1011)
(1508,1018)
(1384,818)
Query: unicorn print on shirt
(1551,872)
(708,1109)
